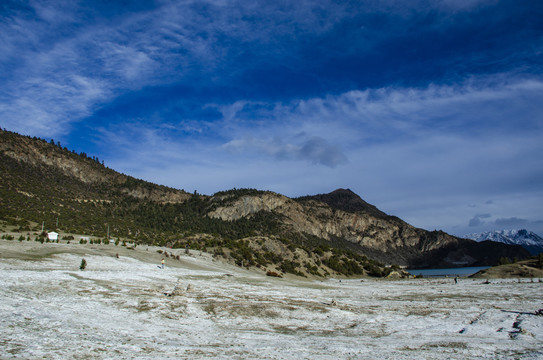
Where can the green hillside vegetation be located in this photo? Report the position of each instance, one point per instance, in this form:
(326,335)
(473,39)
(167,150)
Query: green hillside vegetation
(321,235)
(34,193)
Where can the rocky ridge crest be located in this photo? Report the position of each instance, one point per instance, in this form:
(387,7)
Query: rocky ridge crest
(386,238)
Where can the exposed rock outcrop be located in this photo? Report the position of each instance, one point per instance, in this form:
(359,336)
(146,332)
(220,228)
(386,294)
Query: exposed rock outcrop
(379,235)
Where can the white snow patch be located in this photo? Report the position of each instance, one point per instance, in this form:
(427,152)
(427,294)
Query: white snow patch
(117,309)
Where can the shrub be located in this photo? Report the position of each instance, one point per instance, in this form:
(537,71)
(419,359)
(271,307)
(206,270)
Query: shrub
(83,264)
(540,261)
(290,267)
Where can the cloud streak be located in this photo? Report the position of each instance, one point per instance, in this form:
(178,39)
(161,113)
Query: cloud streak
(314,149)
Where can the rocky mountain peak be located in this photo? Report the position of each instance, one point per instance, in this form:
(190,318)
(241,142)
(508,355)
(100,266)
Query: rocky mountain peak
(346,200)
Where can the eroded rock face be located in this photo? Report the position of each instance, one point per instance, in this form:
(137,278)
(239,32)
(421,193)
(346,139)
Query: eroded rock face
(321,220)
(383,237)
(248,205)
(158,195)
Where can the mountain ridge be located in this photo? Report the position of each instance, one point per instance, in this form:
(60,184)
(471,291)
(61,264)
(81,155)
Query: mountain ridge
(527,239)
(316,234)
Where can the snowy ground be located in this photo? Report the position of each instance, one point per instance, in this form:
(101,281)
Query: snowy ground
(116,309)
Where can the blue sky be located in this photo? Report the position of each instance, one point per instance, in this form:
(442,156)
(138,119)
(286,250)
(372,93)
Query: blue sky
(430,110)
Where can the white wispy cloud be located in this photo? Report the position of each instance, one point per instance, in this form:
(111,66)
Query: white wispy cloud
(446,118)
(49,107)
(177,41)
(443,143)
(357,119)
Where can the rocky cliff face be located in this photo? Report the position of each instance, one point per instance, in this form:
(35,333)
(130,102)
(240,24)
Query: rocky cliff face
(384,237)
(249,205)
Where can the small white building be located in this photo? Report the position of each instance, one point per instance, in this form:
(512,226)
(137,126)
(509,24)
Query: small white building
(52,236)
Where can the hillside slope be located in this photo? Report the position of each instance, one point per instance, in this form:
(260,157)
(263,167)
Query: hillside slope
(319,235)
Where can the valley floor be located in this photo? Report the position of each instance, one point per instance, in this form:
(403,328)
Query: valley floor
(117,309)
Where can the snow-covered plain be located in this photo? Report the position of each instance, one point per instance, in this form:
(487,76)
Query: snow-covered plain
(117,309)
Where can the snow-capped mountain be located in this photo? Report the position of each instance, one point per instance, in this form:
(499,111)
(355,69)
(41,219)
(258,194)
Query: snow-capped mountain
(527,239)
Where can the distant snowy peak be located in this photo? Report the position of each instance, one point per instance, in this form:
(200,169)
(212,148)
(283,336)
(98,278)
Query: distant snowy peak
(527,239)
